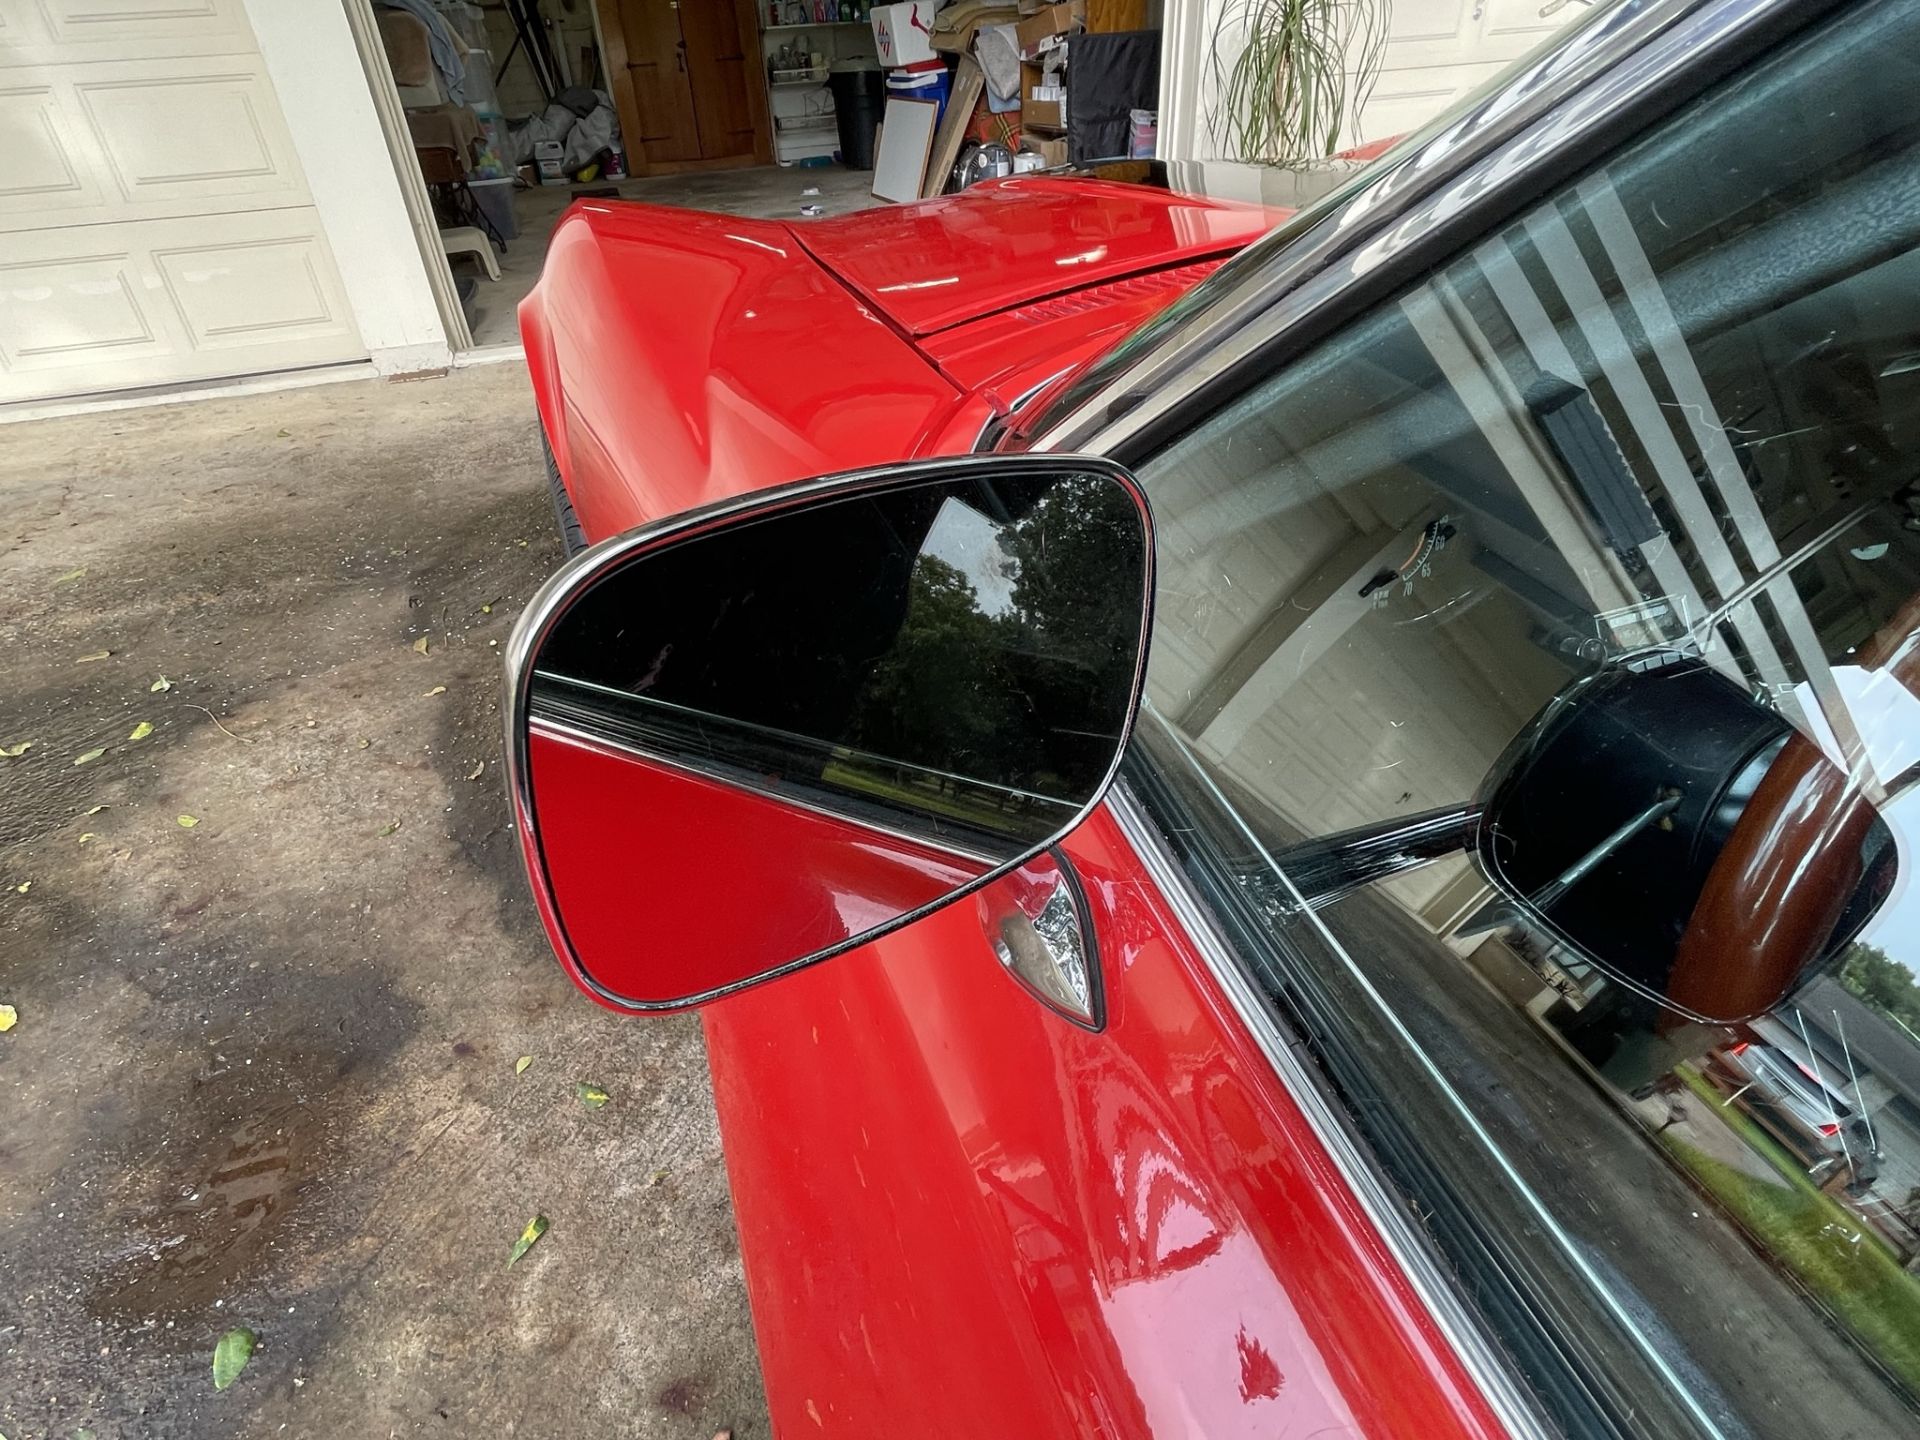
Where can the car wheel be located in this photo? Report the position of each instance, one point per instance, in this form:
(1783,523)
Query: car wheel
(570,532)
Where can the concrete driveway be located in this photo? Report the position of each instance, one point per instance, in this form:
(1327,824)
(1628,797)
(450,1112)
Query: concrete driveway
(274,960)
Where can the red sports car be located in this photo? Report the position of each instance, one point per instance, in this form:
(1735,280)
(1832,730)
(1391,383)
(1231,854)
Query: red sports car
(1211,847)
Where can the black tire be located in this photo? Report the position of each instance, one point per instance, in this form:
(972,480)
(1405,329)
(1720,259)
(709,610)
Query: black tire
(571,534)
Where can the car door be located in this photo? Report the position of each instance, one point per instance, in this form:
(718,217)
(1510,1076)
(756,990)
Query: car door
(1568,449)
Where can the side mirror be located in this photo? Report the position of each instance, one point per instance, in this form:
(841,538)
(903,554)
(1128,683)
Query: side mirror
(752,736)
(1686,839)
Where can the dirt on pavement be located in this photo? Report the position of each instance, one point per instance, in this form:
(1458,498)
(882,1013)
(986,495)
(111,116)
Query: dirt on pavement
(274,961)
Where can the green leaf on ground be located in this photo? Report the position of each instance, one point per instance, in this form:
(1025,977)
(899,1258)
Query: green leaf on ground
(9,1017)
(141,731)
(392,827)
(71,576)
(161,684)
(520,1065)
(420,645)
(230,1356)
(187,822)
(88,836)
(591,1096)
(14,752)
(536,1227)
(96,655)
(89,757)
(95,809)
(437,690)
(23,887)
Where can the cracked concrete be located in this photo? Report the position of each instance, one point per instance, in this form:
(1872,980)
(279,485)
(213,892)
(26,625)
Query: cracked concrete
(264,1067)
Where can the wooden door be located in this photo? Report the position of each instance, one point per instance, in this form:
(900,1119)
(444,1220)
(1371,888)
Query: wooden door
(685,78)
(723,78)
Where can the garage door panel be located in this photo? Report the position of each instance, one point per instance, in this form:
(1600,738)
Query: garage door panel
(243,293)
(126,140)
(63,32)
(51,171)
(154,302)
(179,137)
(58,311)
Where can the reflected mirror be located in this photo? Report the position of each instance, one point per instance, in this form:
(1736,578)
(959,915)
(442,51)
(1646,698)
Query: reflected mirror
(764,736)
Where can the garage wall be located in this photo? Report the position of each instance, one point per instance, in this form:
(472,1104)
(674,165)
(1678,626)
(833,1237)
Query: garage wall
(1437,50)
(321,83)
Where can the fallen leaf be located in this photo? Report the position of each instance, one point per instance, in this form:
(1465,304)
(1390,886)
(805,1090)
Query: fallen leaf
(591,1096)
(654,1179)
(71,575)
(14,752)
(161,684)
(88,836)
(96,655)
(283,434)
(9,1017)
(141,731)
(391,828)
(230,1356)
(89,757)
(420,645)
(520,1065)
(479,769)
(23,887)
(487,609)
(364,742)
(536,1227)
(437,690)
(95,809)
(187,822)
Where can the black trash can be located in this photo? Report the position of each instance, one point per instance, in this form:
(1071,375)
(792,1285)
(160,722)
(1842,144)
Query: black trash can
(859,97)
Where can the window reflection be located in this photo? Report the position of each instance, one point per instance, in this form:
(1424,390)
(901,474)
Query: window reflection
(1537,678)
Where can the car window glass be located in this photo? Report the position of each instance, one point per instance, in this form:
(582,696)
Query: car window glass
(1535,689)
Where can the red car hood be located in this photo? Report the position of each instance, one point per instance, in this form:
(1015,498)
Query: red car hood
(935,264)
(678,357)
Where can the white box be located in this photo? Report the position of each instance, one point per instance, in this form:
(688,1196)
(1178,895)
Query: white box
(903,34)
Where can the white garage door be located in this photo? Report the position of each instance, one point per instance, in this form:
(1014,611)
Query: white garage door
(154,222)
(1438,50)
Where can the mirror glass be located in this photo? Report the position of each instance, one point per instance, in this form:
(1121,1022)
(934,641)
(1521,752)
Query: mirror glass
(764,739)
(1685,837)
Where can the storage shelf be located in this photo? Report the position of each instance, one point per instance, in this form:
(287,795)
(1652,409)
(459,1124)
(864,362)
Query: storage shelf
(818,25)
(795,84)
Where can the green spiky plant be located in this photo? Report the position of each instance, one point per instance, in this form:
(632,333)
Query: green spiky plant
(1303,72)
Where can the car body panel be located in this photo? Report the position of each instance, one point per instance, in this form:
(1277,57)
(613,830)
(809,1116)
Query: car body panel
(832,877)
(1009,242)
(1009,354)
(687,357)
(961,1214)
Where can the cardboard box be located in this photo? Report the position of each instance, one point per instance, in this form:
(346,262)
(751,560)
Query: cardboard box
(1036,31)
(903,33)
(953,32)
(1050,148)
(1043,98)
